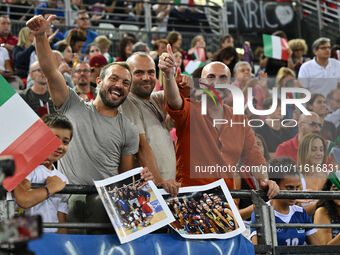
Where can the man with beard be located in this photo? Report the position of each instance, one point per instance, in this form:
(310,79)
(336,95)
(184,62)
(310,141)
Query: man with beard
(147,111)
(202,143)
(81,79)
(104,141)
(37,97)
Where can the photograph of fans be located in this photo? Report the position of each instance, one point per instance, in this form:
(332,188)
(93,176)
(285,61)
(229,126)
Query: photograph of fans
(199,213)
(132,206)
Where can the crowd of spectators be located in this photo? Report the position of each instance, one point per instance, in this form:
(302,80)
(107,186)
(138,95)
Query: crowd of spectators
(144,107)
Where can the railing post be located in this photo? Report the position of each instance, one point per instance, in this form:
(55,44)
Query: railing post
(148,20)
(318,6)
(224,28)
(264,215)
(67,12)
(299,15)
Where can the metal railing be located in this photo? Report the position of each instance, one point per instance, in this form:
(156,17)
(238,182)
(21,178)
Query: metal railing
(264,215)
(323,17)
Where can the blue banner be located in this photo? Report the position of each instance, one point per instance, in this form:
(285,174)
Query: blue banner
(156,244)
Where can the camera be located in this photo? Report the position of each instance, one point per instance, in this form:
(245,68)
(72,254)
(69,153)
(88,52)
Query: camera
(7,167)
(20,229)
(17,231)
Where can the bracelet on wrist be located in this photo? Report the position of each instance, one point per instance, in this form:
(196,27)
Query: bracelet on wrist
(48,192)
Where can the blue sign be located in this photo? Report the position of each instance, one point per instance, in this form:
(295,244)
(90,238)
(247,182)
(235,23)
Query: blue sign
(152,244)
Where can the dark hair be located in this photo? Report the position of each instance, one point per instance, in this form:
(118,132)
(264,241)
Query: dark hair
(57,120)
(61,47)
(158,42)
(313,97)
(197,73)
(329,205)
(287,168)
(265,148)
(122,44)
(226,53)
(173,37)
(328,128)
(280,33)
(74,36)
(88,47)
(225,37)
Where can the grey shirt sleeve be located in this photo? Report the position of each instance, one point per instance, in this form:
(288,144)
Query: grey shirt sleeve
(72,100)
(131,138)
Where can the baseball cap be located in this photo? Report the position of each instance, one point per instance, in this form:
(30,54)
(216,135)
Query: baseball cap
(97,61)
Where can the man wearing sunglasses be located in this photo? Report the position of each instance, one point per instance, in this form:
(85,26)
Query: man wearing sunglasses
(307,124)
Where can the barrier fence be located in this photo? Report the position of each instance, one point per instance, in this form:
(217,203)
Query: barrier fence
(264,215)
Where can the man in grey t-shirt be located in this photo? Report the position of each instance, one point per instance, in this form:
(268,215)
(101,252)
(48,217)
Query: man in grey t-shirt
(104,142)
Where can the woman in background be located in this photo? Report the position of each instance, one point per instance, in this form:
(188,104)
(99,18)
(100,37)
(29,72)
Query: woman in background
(298,48)
(76,39)
(125,48)
(22,52)
(66,51)
(312,165)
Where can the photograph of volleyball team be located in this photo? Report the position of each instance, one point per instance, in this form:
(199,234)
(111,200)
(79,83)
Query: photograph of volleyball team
(202,212)
(132,205)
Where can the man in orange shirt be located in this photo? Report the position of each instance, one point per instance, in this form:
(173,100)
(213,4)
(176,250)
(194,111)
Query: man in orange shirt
(202,143)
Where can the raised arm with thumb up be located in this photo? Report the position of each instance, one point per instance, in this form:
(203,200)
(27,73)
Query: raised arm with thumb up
(167,64)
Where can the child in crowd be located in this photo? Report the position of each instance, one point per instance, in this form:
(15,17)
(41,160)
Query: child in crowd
(286,211)
(52,207)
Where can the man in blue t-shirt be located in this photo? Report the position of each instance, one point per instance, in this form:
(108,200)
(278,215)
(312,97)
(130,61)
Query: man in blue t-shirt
(83,23)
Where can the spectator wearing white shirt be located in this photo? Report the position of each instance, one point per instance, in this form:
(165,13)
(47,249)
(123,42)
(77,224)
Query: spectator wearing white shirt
(321,74)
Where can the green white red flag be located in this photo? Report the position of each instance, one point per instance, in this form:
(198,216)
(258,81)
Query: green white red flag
(275,47)
(24,136)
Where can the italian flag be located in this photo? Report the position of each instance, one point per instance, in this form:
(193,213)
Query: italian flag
(23,135)
(335,178)
(184,2)
(275,47)
(191,65)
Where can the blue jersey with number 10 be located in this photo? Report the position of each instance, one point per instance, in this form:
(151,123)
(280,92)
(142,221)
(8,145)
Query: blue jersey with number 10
(291,236)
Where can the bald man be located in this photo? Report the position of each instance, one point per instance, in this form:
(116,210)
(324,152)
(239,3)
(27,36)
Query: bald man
(60,61)
(146,109)
(202,145)
(37,96)
(307,124)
